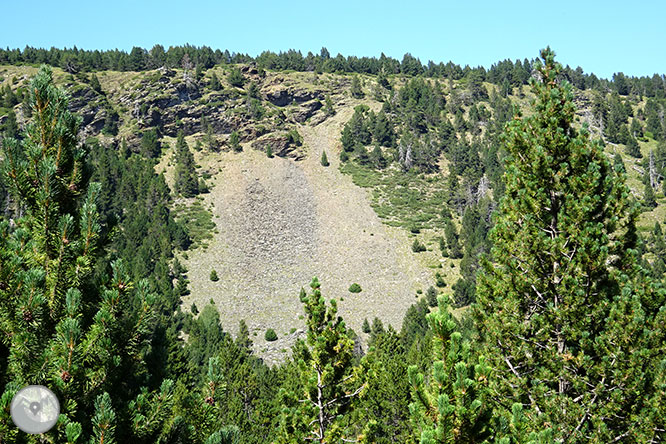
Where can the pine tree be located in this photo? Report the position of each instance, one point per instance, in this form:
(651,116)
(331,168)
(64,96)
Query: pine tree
(382,131)
(563,311)
(9,127)
(347,139)
(185,174)
(253,90)
(324,159)
(111,122)
(214,82)
(150,144)
(234,142)
(442,247)
(235,78)
(362,155)
(636,128)
(57,328)
(329,383)
(633,149)
(377,326)
(452,240)
(385,406)
(198,72)
(356,90)
(431,296)
(243,339)
(94,84)
(377,158)
(10,99)
(418,247)
(382,80)
(328,106)
(454,407)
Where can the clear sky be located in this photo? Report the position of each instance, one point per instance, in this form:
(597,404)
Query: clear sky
(602,37)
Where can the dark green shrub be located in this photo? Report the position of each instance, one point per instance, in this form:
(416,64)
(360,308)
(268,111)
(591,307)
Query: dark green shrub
(439,280)
(355,288)
(270,335)
(234,142)
(235,78)
(431,296)
(418,247)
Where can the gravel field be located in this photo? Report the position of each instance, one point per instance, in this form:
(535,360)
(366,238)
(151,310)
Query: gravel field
(280,223)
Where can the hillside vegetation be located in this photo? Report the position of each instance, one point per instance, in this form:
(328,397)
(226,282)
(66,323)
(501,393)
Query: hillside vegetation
(164,214)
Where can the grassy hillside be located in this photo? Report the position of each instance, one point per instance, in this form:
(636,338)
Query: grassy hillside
(269,224)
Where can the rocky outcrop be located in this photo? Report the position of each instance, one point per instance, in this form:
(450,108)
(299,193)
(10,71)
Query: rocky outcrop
(89,105)
(306,110)
(173,101)
(280,95)
(281,144)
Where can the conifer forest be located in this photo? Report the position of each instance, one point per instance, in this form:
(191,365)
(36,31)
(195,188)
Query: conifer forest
(199,246)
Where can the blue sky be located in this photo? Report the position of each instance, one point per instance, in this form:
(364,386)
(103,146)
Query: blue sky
(600,36)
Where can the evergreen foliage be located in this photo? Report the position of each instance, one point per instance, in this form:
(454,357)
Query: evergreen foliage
(452,240)
(214,82)
(417,246)
(354,288)
(385,406)
(329,384)
(59,328)
(563,311)
(649,200)
(431,296)
(328,106)
(95,85)
(356,90)
(570,313)
(150,144)
(185,175)
(9,127)
(454,407)
(633,149)
(515,73)
(324,159)
(270,335)
(234,142)
(111,122)
(235,78)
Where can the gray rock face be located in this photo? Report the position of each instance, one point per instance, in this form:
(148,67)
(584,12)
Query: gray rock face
(279,97)
(306,111)
(281,146)
(171,102)
(282,96)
